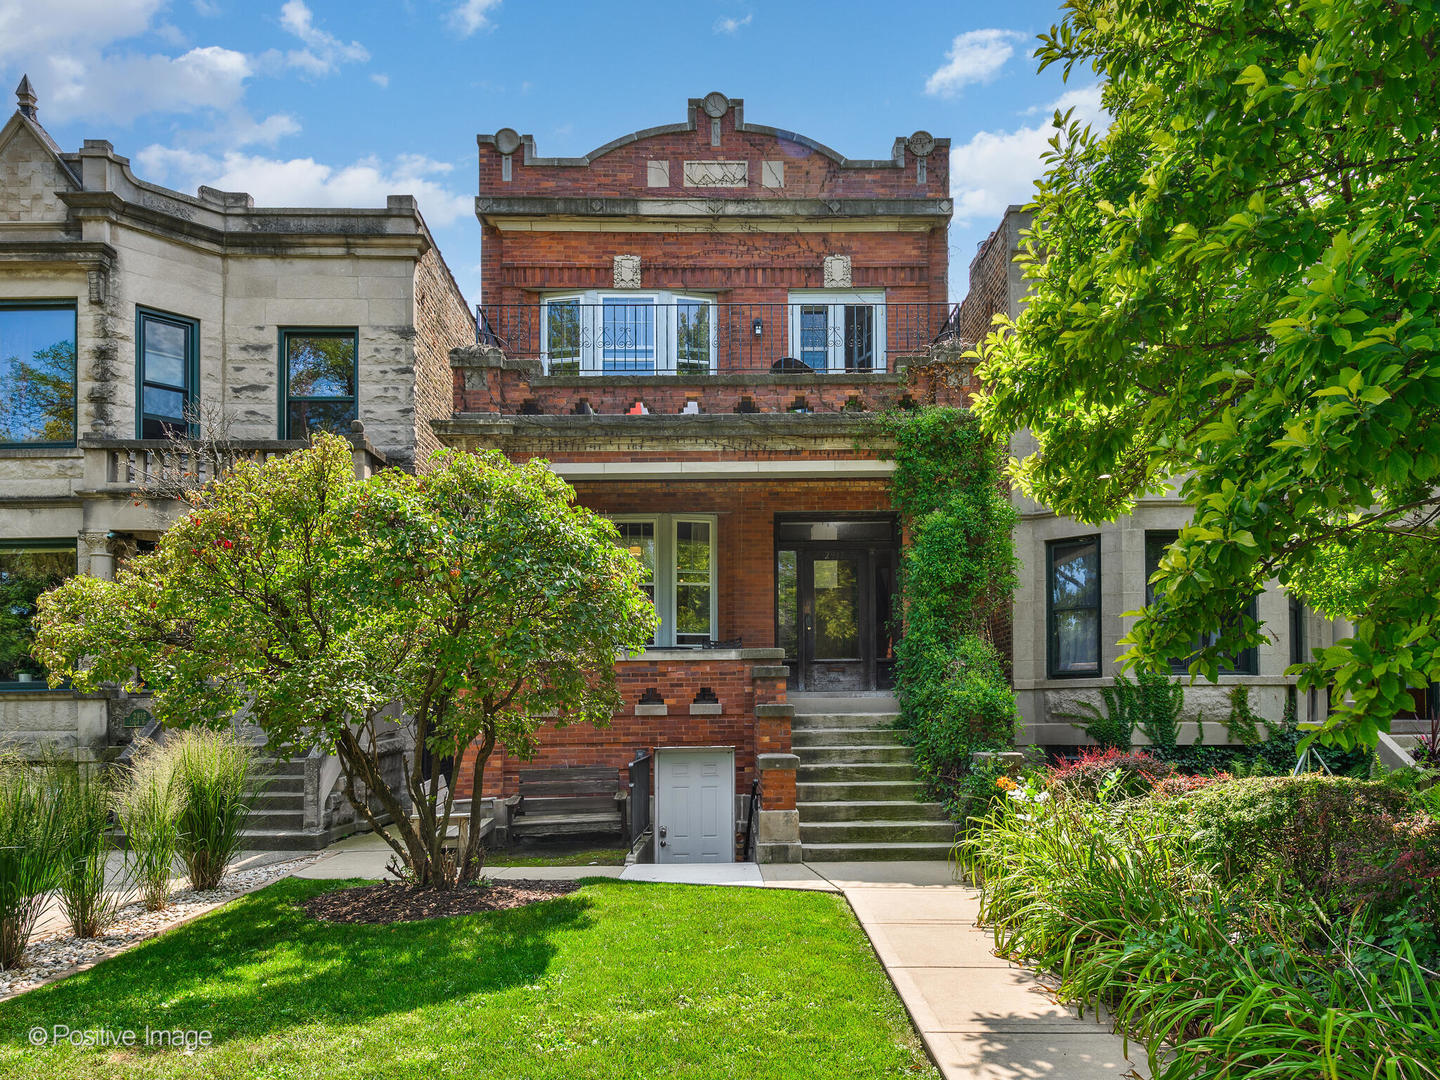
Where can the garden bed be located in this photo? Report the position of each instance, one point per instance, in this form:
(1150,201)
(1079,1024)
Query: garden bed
(391,903)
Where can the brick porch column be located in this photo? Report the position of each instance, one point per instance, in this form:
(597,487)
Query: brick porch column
(778,822)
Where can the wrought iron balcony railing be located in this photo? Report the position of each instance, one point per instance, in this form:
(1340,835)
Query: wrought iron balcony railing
(636,335)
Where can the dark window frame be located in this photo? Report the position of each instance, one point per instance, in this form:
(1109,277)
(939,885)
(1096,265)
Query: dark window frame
(192,364)
(1052,642)
(286,332)
(73,305)
(47,543)
(1248,662)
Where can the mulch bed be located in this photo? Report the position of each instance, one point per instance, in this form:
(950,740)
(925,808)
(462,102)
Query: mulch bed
(391,903)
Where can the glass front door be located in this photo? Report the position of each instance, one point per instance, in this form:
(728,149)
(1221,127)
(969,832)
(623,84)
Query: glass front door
(834,603)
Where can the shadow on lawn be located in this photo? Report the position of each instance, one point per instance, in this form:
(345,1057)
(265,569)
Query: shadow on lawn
(263,965)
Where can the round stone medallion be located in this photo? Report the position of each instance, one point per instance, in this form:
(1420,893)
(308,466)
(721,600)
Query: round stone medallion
(507,140)
(716,104)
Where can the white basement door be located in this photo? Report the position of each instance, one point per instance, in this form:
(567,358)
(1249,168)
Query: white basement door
(695,805)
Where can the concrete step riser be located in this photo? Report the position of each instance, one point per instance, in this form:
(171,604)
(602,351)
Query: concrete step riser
(284,785)
(897,810)
(846,737)
(872,852)
(272,801)
(832,774)
(877,832)
(294,769)
(276,819)
(843,720)
(854,755)
(864,792)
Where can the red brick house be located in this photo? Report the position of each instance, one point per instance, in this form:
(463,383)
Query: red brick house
(692,324)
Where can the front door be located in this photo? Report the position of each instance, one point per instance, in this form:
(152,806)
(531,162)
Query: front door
(694,805)
(835,594)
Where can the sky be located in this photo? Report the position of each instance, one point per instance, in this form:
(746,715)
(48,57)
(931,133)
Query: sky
(315,103)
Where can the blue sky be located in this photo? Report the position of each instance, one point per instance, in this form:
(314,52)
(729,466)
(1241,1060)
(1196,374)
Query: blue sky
(307,102)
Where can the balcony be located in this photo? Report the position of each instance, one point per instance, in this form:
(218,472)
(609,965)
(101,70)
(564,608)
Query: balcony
(670,335)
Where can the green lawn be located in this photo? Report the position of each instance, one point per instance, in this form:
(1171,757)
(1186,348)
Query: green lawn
(621,979)
(587,857)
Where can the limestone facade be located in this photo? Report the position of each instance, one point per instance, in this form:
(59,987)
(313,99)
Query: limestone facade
(79,231)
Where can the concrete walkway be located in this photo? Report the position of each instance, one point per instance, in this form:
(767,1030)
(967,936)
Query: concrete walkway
(981,1017)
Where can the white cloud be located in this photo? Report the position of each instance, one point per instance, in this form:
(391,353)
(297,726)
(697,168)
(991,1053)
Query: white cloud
(244,130)
(974,57)
(731,26)
(307,182)
(380,79)
(996,168)
(324,52)
(205,8)
(122,87)
(472,15)
(29,31)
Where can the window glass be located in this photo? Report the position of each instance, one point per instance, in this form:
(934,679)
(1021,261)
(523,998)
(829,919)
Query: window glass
(166,346)
(320,376)
(693,553)
(692,336)
(837,609)
(628,334)
(26,571)
(859,337)
(1157,542)
(1074,597)
(562,334)
(638,538)
(37,374)
(787,603)
(814,335)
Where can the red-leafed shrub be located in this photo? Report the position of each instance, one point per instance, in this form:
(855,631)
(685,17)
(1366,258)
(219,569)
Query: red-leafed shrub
(1180,784)
(1086,775)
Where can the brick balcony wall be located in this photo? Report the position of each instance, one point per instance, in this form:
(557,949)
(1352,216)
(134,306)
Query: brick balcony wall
(485,382)
(729,676)
(443,321)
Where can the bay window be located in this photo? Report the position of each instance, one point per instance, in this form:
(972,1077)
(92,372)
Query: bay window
(27,569)
(168,361)
(677,554)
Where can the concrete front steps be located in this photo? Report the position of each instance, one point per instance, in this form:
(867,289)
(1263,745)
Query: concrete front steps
(277,816)
(857,789)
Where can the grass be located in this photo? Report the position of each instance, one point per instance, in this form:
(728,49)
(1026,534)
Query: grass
(589,857)
(619,980)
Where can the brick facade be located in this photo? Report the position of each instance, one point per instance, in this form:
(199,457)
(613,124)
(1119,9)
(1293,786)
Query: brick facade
(443,321)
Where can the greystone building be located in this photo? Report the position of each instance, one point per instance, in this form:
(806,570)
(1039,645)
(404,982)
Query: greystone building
(130,314)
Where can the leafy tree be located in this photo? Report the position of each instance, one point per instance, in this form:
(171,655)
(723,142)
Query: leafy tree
(475,596)
(1235,284)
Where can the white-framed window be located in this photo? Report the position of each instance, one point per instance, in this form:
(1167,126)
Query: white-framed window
(838,330)
(678,552)
(617,333)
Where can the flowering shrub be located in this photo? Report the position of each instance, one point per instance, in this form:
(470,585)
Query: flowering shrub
(1120,773)
(1180,784)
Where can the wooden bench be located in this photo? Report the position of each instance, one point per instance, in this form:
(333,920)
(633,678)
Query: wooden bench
(573,801)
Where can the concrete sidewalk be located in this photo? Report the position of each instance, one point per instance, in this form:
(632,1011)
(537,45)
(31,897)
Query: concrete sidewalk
(981,1017)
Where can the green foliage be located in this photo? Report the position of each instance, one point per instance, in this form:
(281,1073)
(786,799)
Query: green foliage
(1242,723)
(956,700)
(1236,283)
(148,803)
(1219,975)
(1151,705)
(85,798)
(32,842)
(1106,773)
(476,595)
(214,771)
(958,573)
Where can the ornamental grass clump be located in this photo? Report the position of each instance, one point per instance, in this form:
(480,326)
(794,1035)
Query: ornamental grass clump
(32,837)
(148,805)
(86,801)
(213,771)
